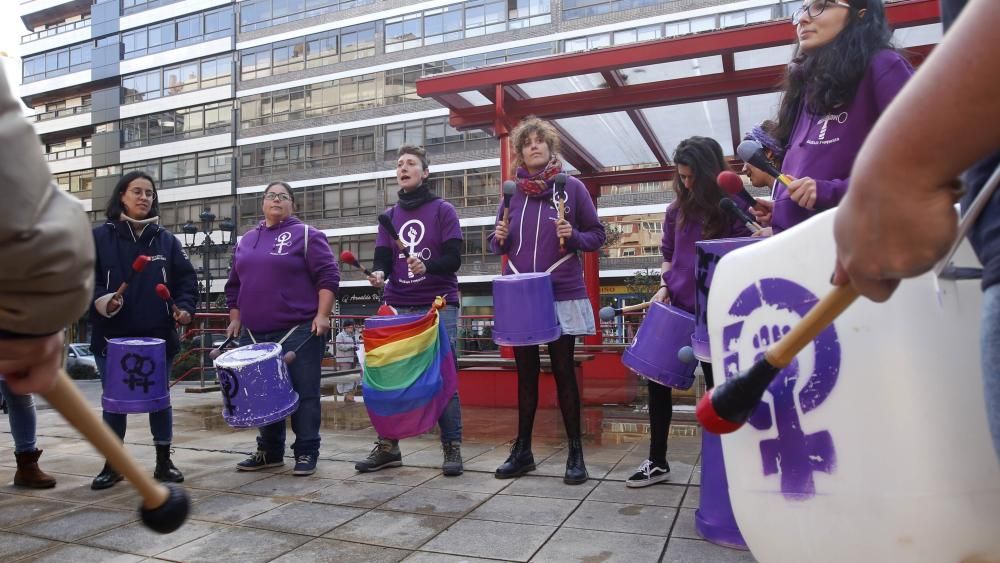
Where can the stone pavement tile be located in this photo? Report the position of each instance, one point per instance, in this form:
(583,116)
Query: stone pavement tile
(685,527)
(357,493)
(14,546)
(327,469)
(309,518)
(693,497)
(525,510)
(206,458)
(680,472)
(76,488)
(137,538)
(132,499)
(555,466)
(628,518)
(696,476)
(246,545)
(15,510)
(433,457)
(79,523)
(471,481)
(489,461)
(83,465)
(285,486)
(231,508)
(550,487)
(693,551)
(655,495)
(391,529)
(568,544)
(322,550)
(409,476)
(66,552)
(497,540)
(436,502)
(224,479)
(428,557)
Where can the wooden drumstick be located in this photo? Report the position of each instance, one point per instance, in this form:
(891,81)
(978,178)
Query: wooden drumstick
(137,266)
(386,224)
(727,406)
(561,205)
(164,507)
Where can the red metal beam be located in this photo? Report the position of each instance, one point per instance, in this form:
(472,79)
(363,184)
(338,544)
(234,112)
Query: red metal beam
(900,14)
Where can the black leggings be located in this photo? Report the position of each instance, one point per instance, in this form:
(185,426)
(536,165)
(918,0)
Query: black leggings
(528,366)
(661,410)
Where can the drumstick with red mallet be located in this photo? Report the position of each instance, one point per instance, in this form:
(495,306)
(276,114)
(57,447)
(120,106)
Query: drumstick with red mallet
(164,507)
(727,406)
(164,292)
(348,257)
(138,265)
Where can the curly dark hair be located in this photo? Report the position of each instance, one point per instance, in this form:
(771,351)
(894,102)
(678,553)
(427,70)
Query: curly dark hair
(704,156)
(828,77)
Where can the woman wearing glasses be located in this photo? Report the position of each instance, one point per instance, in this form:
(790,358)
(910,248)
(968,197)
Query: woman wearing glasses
(281,289)
(132,229)
(843,75)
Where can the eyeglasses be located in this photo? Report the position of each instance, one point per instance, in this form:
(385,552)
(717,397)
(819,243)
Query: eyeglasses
(149,194)
(277,196)
(815,9)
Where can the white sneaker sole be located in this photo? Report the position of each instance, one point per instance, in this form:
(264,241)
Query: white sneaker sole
(647,482)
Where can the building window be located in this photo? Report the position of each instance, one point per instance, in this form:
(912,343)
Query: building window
(177,79)
(309,152)
(459,21)
(56,63)
(464,188)
(177,125)
(75,182)
(186,169)
(261,14)
(312,51)
(188,30)
(436,135)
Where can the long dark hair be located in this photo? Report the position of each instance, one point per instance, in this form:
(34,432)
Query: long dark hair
(704,156)
(114,209)
(828,77)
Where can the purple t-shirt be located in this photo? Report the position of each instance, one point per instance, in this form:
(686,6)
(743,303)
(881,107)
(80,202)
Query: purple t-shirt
(678,248)
(824,147)
(275,279)
(422,230)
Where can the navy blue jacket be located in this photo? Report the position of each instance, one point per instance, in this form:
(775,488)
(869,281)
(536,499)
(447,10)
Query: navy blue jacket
(143,312)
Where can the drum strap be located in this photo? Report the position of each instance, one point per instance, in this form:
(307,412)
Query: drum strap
(283,338)
(548,270)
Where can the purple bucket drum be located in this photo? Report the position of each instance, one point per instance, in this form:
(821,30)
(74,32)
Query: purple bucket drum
(136,378)
(709,254)
(524,310)
(653,352)
(714,519)
(256,388)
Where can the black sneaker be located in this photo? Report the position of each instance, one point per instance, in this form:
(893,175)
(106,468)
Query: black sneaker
(305,464)
(648,474)
(260,460)
(385,454)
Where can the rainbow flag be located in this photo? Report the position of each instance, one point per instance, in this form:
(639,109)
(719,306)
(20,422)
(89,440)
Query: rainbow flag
(409,374)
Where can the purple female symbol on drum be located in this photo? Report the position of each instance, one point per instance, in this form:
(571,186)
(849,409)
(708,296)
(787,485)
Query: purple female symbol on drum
(525,311)
(653,352)
(136,381)
(709,254)
(256,388)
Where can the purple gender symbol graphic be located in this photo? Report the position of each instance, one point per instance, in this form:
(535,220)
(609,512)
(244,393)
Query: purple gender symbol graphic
(795,454)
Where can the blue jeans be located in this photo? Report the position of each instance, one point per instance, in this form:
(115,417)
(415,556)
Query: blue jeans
(161,423)
(451,419)
(21,413)
(305,375)
(991,360)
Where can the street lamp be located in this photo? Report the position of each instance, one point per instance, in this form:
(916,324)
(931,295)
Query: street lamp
(208,247)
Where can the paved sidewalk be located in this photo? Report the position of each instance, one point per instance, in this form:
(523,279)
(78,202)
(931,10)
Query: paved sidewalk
(411,513)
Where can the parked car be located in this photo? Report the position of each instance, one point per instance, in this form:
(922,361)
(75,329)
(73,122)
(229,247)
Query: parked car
(80,363)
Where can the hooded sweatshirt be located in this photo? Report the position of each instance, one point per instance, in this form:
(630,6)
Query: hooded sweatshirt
(823,147)
(143,313)
(533,246)
(276,277)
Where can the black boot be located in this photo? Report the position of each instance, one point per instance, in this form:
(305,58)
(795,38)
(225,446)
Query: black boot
(520,461)
(165,470)
(576,471)
(106,478)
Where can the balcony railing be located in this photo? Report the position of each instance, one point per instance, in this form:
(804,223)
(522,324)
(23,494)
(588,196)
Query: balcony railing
(71,153)
(58,113)
(53,31)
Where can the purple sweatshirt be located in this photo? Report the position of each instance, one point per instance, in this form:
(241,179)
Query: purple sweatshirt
(678,248)
(533,245)
(422,230)
(824,147)
(275,279)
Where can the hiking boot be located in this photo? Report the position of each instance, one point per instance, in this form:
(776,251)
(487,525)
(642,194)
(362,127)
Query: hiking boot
(385,454)
(106,478)
(576,471)
(260,460)
(452,465)
(30,475)
(165,470)
(519,462)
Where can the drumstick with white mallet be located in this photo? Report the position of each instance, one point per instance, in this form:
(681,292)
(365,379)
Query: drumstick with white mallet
(164,506)
(560,188)
(753,152)
(609,312)
(727,406)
